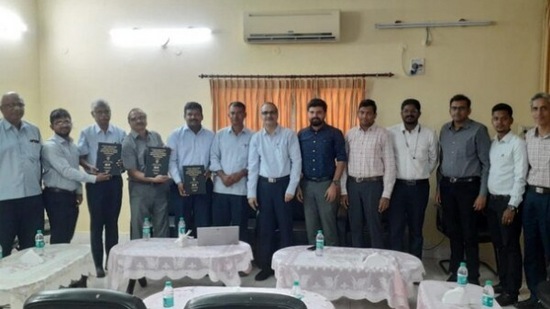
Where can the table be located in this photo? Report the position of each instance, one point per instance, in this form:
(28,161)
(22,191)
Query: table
(430,293)
(184,294)
(340,272)
(157,258)
(20,277)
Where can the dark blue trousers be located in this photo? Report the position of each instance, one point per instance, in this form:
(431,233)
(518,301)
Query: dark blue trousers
(460,221)
(62,212)
(20,217)
(274,214)
(196,209)
(407,208)
(364,199)
(104,202)
(536,238)
(229,209)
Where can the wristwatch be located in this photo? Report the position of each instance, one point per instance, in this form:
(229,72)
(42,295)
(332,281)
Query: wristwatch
(336,182)
(512,208)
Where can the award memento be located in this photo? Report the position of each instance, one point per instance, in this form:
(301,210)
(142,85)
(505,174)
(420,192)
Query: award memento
(156,161)
(108,158)
(194,181)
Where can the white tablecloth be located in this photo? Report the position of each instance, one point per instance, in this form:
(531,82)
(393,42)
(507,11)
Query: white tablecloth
(20,278)
(184,294)
(431,292)
(340,272)
(161,257)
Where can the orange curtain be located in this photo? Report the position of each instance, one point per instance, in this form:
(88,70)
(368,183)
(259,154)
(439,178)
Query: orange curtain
(291,97)
(546,51)
(252,92)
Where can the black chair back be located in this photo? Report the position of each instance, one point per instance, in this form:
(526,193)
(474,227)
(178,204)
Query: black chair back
(82,298)
(245,300)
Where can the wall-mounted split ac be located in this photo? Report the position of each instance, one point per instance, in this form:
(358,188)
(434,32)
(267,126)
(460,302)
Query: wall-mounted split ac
(292,27)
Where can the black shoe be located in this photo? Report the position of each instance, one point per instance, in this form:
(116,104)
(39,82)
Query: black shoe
(81,283)
(263,275)
(242,274)
(498,289)
(100,272)
(506,299)
(142,282)
(530,303)
(452,278)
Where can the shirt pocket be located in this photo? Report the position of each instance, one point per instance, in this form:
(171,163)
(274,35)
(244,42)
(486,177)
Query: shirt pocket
(32,150)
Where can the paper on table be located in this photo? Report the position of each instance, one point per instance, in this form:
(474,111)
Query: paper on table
(376,260)
(182,239)
(454,296)
(31,258)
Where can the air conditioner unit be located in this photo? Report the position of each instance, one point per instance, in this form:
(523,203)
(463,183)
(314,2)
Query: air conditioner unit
(292,27)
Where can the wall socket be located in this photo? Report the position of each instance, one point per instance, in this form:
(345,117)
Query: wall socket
(417,66)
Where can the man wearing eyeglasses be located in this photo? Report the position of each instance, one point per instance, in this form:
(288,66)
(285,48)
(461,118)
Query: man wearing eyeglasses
(21,208)
(104,198)
(462,183)
(62,178)
(274,166)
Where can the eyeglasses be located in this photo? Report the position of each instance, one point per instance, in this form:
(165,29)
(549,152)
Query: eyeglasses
(138,118)
(265,113)
(62,122)
(13,105)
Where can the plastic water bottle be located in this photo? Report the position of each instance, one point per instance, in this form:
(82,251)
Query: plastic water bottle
(39,242)
(181,227)
(146,229)
(462,275)
(319,243)
(297,290)
(488,297)
(168,295)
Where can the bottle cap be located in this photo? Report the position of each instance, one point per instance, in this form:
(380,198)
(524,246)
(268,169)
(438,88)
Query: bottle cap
(319,231)
(168,283)
(489,282)
(38,231)
(296,282)
(181,218)
(463,264)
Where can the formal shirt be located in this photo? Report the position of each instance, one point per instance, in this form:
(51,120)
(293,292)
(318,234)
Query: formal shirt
(416,151)
(273,156)
(320,149)
(538,151)
(189,148)
(370,154)
(20,169)
(465,152)
(60,159)
(229,153)
(134,150)
(508,157)
(90,137)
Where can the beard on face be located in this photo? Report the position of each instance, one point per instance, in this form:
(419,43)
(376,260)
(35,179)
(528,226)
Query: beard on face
(316,121)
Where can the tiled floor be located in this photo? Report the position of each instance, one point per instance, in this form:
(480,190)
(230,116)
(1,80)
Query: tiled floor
(433,271)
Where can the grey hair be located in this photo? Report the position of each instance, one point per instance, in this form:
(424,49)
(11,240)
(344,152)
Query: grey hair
(100,103)
(541,95)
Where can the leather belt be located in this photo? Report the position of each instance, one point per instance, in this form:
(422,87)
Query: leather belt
(539,190)
(412,182)
(366,179)
(274,180)
(57,190)
(460,179)
(318,179)
(499,197)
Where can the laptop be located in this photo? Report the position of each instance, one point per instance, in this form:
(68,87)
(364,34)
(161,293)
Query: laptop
(218,235)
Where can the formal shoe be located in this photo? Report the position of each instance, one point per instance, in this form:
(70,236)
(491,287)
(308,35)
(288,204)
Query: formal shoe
(100,272)
(142,282)
(242,274)
(506,299)
(452,278)
(80,283)
(530,303)
(263,275)
(498,289)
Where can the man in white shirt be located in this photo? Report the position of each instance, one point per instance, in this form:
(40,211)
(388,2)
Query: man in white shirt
(506,184)
(416,149)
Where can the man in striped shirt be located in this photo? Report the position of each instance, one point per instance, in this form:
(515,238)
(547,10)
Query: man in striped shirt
(371,176)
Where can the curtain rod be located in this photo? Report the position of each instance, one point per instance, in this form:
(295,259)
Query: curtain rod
(299,76)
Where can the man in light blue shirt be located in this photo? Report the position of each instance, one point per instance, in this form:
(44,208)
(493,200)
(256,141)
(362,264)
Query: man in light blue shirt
(274,167)
(228,162)
(105,198)
(190,145)
(21,208)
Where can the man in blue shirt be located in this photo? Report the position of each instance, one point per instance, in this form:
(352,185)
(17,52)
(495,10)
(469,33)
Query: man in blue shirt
(323,150)
(21,208)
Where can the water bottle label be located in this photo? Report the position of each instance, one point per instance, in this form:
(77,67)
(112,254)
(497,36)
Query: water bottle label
(146,231)
(168,302)
(39,244)
(319,244)
(182,230)
(487,301)
(461,279)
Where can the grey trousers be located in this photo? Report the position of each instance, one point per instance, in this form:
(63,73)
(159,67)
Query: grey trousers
(319,214)
(148,200)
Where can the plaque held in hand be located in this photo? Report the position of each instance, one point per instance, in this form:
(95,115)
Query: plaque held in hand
(156,161)
(109,158)
(194,180)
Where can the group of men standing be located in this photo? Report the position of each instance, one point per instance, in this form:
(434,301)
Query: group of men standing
(380,176)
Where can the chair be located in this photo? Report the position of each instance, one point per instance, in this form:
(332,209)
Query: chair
(81,298)
(245,300)
(484,236)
